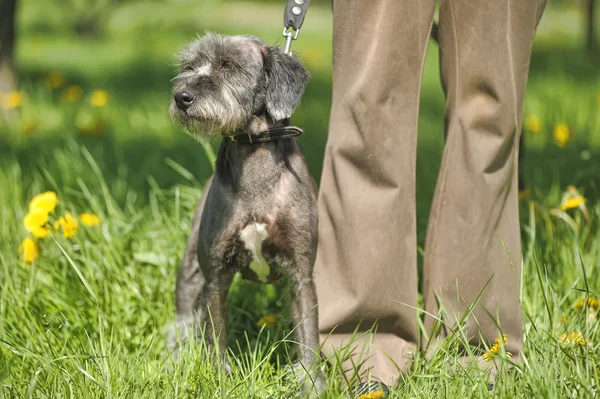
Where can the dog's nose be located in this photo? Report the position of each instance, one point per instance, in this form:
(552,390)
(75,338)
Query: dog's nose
(183,99)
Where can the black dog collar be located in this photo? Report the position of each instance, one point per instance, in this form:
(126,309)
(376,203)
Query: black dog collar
(275,133)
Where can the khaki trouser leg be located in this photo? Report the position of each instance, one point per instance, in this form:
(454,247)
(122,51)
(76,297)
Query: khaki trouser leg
(366,264)
(474,235)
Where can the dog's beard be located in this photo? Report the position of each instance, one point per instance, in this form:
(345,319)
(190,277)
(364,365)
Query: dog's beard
(201,125)
(201,129)
(206,121)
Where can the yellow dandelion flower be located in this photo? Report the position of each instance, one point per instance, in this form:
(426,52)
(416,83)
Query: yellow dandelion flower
(89,219)
(29,250)
(574,337)
(573,202)
(56,80)
(373,395)
(267,321)
(495,349)
(72,93)
(35,219)
(533,124)
(562,134)
(45,201)
(68,224)
(524,194)
(29,126)
(99,98)
(592,303)
(11,100)
(40,232)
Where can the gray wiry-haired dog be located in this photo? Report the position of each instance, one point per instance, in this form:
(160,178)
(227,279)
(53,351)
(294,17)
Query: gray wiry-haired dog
(259,209)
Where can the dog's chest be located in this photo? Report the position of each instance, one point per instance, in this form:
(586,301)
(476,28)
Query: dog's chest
(253,237)
(257,212)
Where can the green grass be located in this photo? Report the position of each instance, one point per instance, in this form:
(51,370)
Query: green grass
(87,318)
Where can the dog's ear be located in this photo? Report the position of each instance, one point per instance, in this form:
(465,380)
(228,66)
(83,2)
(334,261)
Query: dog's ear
(285,79)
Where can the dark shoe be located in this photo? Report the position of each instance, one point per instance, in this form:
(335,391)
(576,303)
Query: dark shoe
(371,390)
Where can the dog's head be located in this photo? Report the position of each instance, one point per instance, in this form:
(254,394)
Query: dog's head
(224,81)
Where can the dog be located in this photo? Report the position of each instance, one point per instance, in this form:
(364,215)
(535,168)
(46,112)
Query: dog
(258,212)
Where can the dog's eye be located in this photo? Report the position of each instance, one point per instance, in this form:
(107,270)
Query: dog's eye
(187,68)
(227,65)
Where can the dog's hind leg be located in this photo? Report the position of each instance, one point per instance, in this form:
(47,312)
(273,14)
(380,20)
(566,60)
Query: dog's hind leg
(305,319)
(189,283)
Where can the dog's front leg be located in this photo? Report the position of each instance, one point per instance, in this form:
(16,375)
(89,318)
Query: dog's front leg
(213,311)
(305,319)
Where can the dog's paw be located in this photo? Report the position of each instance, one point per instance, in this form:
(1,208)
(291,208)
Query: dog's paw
(226,365)
(176,335)
(313,384)
(171,337)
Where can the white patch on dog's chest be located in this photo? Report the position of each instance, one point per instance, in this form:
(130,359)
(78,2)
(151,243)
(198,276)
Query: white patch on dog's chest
(253,236)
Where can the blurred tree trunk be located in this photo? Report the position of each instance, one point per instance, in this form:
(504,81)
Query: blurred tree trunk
(7,41)
(590,41)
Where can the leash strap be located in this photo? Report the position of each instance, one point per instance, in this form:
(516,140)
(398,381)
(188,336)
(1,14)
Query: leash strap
(276,133)
(293,17)
(295,11)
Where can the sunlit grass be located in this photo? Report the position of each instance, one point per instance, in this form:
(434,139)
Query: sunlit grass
(85,316)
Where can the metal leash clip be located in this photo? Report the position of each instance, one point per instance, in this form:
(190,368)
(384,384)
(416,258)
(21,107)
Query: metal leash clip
(289,36)
(293,17)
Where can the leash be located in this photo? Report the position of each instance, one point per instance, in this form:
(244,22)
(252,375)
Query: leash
(275,133)
(293,17)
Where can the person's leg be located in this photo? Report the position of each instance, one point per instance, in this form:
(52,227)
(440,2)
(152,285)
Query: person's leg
(474,236)
(366,262)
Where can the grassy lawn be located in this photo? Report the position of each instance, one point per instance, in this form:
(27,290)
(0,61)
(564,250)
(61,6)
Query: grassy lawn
(86,318)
